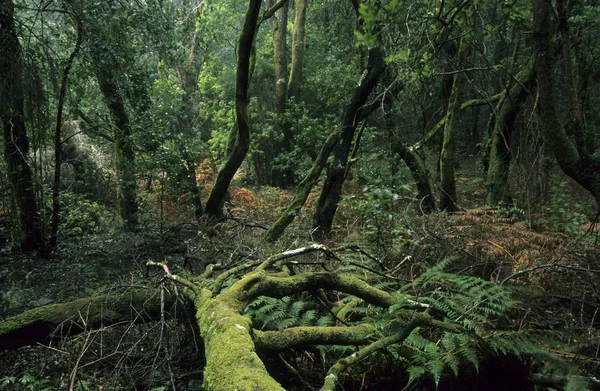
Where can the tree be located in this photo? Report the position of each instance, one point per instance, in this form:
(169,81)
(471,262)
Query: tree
(108,73)
(336,174)
(16,143)
(571,148)
(214,205)
(448,199)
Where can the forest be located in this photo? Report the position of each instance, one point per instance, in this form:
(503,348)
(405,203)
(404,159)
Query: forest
(299,195)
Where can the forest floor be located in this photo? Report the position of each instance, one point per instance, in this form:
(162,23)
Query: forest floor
(508,246)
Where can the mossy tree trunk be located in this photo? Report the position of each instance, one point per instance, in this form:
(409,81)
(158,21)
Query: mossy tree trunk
(419,172)
(16,144)
(298,49)
(106,68)
(500,153)
(214,205)
(336,174)
(573,156)
(448,199)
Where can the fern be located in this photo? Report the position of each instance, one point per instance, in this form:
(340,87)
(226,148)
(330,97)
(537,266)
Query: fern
(277,314)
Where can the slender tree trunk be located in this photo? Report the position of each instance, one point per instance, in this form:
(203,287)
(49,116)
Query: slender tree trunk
(572,158)
(124,153)
(214,205)
(419,172)
(58,135)
(280,174)
(298,48)
(448,153)
(16,144)
(336,174)
(500,153)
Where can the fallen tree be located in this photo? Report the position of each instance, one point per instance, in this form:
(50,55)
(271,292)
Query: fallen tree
(432,324)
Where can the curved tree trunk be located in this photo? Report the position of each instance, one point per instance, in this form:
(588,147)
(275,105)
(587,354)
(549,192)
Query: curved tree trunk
(124,154)
(572,157)
(336,174)
(500,153)
(214,205)
(16,144)
(418,170)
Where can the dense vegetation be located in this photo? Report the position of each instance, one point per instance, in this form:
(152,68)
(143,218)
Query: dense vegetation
(295,194)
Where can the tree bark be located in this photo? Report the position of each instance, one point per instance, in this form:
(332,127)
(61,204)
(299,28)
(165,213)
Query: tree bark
(336,174)
(214,205)
(16,144)
(419,172)
(500,152)
(448,199)
(298,48)
(105,69)
(572,157)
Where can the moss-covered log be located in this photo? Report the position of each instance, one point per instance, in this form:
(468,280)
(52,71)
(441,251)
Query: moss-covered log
(55,321)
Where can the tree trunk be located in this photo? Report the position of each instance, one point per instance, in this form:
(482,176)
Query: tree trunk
(58,136)
(214,205)
(336,174)
(500,153)
(451,128)
(16,144)
(572,158)
(297,50)
(418,170)
(105,68)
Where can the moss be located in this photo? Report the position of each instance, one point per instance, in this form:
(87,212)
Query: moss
(38,324)
(232,362)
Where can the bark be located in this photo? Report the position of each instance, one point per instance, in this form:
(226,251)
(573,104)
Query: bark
(572,157)
(281,175)
(419,172)
(16,143)
(214,205)
(500,152)
(298,47)
(58,136)
(105,69)
(336,174)
(452,125)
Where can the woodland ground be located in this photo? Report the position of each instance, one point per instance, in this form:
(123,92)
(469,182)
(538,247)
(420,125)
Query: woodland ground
(492,243)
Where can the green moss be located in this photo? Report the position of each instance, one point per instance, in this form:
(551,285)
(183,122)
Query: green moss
(232,362)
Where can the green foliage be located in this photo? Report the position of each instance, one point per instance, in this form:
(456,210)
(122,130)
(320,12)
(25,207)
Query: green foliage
(25,382)
(79,216)
(562,214)
(277,314)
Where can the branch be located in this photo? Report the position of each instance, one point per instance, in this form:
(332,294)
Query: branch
(271,11)
(303,336)
(39,325)
(174,277)
(547,266)
(442,122)
(331,379)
